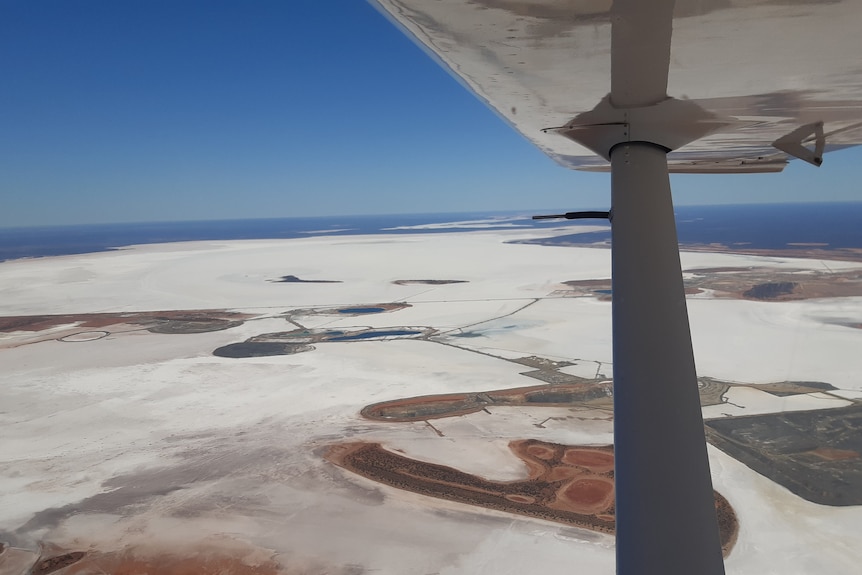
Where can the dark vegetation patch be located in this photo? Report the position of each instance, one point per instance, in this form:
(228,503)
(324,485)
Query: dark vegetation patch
(815,454)
(290,279)
(361,310)
(542,362)
(771,290)
(555,377)
(757,283)
(51,564)
(449,405)
(556,394)
(428,282)
(261,349)
(717,270)
(300,340)
(788,388)
(711,390)
(561,390)
(190,325)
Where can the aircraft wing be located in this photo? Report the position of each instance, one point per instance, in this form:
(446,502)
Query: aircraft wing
(643,88)
(771,79)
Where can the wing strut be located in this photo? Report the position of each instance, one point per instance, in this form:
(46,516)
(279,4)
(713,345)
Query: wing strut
(665,511)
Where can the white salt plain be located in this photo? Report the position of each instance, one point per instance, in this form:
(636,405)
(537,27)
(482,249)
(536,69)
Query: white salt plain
(144,439)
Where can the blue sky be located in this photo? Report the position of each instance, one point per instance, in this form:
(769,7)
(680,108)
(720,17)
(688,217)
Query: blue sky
(114,111)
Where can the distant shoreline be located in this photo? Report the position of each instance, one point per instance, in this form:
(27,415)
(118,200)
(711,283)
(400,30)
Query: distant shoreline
(805,229)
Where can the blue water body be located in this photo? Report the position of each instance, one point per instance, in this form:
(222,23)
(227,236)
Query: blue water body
(785,226)
(374,334)
(63,240)
(361,310)
(837,225)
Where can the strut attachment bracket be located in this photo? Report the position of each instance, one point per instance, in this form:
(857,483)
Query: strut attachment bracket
(793,144)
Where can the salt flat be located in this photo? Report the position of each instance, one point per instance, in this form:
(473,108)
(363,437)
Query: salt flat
(146,443)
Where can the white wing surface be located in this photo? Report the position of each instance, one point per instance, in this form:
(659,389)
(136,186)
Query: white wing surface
(772,79)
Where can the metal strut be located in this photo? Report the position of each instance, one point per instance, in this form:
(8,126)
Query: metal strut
(576,216)
(665,510)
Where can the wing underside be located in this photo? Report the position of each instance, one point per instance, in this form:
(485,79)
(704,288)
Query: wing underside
(772,78)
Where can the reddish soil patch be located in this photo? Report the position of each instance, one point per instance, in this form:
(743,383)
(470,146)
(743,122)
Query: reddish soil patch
(830,454)
(587,495)
(562,473)
(533,497)
(520,498)
(424,407)
(175,565)
(541,451)
(596,461)
(454,404)
(234,558)
(567,483)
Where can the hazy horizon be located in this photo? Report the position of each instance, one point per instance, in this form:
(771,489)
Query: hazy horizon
(117,112)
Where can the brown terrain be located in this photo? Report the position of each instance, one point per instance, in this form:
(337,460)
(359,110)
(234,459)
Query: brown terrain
(754,283)
(594,393)
(233,558)
(815,454)
(812,252)
(206,318)
(566,483)
(572,484)
(90,326)
(56,562)
(163,554)
(210,563)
